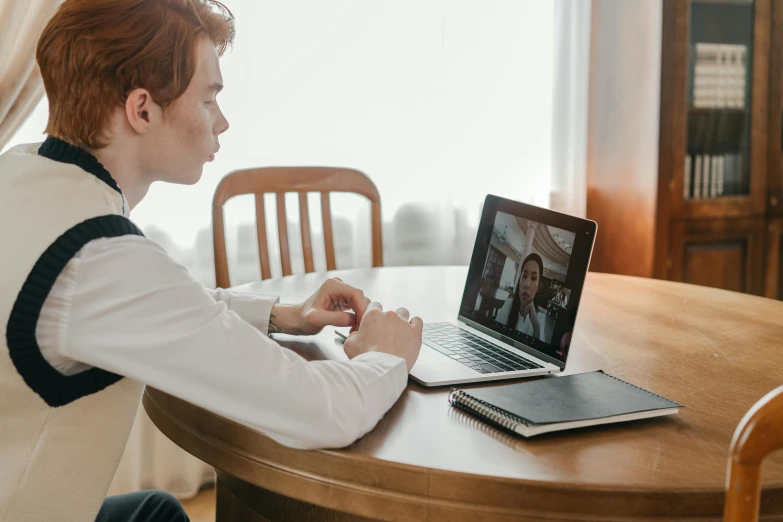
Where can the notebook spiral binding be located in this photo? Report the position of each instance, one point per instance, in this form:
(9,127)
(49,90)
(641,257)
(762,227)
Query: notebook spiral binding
(467,402)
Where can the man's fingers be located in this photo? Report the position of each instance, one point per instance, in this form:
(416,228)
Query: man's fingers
(323,318)
(351,296)
(417,323)
(349,347)
(402,312)
(360,311)
(358,303)
(340,319)
(374,305)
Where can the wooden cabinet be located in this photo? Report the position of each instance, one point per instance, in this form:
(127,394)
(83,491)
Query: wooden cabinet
(774,192)
(773,277)
(724,254)
(686,180)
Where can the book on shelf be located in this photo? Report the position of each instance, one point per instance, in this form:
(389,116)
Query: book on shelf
(712,176)
(730,166)
(719,75)
(715,141)
(718,188)
(706,166)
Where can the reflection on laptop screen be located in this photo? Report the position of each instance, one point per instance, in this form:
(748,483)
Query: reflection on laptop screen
(527,273)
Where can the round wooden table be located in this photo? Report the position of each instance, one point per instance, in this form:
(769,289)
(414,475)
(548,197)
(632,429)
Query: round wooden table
(717,352)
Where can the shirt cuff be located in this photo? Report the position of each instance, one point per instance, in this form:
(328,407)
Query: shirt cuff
(252,308)
(392,363)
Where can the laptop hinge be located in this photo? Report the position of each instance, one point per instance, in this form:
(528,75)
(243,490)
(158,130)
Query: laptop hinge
(511,342)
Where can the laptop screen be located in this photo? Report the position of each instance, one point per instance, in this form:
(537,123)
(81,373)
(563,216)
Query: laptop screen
(526,276)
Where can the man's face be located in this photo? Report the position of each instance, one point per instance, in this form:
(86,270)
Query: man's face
(187,136)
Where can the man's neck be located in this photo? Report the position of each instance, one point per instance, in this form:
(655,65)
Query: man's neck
(125,171)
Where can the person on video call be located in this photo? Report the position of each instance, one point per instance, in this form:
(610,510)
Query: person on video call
(93,310)
(560,298)
(519,311)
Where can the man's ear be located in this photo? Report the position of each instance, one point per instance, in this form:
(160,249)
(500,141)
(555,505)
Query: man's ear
(141,110)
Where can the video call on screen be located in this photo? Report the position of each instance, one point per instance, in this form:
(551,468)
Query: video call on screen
(525,272)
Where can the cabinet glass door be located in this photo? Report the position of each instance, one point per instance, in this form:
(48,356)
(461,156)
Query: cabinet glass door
(720,77)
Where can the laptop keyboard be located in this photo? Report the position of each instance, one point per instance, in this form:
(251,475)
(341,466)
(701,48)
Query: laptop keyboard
(473,351)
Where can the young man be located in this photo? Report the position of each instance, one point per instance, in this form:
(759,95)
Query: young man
(93,311)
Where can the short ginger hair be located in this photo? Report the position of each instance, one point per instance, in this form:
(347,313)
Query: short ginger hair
(94,53)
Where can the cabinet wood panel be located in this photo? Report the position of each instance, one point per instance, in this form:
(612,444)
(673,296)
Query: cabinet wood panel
(773,277)
(727,254)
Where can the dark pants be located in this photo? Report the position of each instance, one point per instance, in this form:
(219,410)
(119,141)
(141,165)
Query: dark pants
(142,506)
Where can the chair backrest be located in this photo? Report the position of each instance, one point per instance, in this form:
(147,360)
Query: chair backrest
(280,181)
(759,433)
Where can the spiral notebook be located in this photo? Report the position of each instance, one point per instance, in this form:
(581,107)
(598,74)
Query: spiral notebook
(562,403)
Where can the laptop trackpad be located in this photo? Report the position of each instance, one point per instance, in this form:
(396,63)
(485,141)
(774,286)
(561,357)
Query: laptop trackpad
(433,367)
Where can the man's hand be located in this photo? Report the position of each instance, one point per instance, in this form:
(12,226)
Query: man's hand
(334,304)
(387,332)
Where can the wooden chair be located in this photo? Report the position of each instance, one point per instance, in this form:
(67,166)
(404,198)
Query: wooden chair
(282,180)
(760,432)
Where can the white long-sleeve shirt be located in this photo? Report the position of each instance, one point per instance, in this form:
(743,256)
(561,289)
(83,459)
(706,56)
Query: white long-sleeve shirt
(123,305)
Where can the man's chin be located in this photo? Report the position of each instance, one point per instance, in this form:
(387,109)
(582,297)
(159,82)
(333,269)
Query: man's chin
(182,178)
(194,176)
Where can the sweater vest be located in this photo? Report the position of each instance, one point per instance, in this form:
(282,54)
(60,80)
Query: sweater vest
(61,436)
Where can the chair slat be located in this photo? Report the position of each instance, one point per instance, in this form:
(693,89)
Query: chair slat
(263,247)
(326,215)
(377,237)
(219,244)
(304,221)
(282,232)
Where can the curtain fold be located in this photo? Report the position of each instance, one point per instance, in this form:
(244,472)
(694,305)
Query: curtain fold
(570,110)
(21,87)
(152,461)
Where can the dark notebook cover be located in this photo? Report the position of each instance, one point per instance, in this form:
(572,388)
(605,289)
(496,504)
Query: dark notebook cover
(576,397)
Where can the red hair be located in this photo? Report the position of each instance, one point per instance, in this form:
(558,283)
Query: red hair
(93,53)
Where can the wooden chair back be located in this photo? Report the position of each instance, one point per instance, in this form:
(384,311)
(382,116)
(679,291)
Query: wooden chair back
(280,181)
(760,432)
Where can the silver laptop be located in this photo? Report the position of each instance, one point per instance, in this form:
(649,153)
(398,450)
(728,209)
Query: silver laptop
(521,296)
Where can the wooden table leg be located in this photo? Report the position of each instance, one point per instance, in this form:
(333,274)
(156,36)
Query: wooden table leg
(238,501)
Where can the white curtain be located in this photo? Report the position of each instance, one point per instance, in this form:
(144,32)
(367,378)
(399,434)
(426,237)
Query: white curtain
(440,102)
(152,461)
(21,87)
(569,121)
